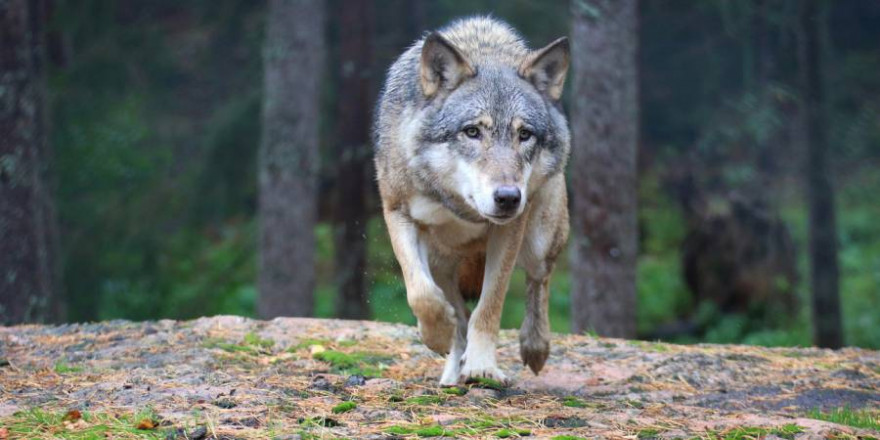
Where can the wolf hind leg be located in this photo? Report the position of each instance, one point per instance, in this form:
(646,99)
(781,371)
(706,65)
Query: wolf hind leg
(534,335)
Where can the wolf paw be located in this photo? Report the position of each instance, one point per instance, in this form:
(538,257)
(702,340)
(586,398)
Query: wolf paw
(476,368)
(534,351)
(437,325)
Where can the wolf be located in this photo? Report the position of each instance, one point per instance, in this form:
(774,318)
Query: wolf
(470,146)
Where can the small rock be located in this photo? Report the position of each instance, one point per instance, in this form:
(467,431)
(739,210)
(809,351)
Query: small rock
(225,403)
(198,433)
(355,381)
(481,394)
(321,383)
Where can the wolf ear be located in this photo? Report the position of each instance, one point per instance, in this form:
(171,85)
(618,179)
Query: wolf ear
(442,65)
(546,68)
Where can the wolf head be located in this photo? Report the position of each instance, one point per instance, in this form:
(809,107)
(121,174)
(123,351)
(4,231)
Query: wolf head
(491,131)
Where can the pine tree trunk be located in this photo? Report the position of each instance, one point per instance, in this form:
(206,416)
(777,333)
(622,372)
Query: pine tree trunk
(605,132)
(353,153)
(29,276)
(824,271)
(288,159)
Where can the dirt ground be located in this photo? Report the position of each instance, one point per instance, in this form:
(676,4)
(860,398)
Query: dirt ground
(231,377)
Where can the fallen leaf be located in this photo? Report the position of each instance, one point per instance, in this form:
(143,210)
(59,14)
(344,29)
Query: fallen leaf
(72,416)
(146,424)
(315,349)
(4,433)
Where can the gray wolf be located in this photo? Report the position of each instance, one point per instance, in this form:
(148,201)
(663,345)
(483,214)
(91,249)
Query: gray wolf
(470,147)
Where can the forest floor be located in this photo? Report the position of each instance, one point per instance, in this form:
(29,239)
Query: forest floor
(231,377)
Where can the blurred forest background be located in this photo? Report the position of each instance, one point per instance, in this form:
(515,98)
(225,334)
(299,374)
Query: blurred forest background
(146,120)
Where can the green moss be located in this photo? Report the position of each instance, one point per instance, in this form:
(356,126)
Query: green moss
(424,400)
(455,391)
(361,363)
(337,359)
(483,423)
(428,431)
(634,403)
(867,419)
(306,343)
(647,433)
(62,367)
(398,430)
(255,340)
(251,344)
(573,402)
(506,433)
(568,437)
(482,382)
(344,407)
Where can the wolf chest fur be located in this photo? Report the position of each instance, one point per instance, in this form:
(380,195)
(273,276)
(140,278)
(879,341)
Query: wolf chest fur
(470,147)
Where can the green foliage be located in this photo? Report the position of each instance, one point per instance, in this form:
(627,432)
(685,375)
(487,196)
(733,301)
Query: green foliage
(156,124)
(865,418)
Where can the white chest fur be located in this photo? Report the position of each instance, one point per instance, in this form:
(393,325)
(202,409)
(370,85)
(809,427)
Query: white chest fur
(443,224)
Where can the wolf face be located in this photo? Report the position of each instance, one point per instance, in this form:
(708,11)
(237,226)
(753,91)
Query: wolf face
(489,134)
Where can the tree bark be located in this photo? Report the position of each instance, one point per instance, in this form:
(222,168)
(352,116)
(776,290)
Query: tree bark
(288,159)
(29,275)
(353,153)
(605,130)
(824,272)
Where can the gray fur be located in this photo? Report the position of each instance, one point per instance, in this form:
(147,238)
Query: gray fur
(467,115)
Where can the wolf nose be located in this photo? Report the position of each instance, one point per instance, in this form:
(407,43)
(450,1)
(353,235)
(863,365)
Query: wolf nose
(507,197)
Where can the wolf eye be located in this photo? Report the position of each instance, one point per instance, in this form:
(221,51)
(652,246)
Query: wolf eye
(525,135)
(472,132)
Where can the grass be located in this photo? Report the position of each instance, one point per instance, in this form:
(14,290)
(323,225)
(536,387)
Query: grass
(788,432)
(866,419)
(37,424)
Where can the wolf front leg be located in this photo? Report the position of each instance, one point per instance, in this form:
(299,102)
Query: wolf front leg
(435,315)
(501,252)
(446,275)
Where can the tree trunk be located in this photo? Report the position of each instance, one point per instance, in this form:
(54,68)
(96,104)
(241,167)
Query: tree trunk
(605,131)
(353,153)
(820,194)
(29,277)
(288,159)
